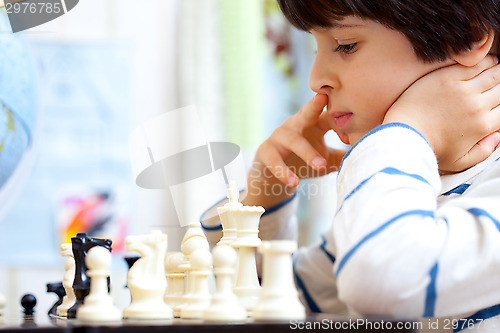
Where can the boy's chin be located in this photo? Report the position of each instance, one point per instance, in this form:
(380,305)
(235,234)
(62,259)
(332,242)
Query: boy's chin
(343,137)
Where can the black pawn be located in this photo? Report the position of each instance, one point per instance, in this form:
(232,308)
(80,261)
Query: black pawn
(28,303)
(58,289)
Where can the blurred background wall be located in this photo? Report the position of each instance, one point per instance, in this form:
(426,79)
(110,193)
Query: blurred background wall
(106,67)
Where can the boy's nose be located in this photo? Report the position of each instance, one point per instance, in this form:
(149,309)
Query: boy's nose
(323,77)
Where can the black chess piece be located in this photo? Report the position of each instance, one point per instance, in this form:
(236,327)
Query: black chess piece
(58,289)
(81,244)
(28,303)
(130,261)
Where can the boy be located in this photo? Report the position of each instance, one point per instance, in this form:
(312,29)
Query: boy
(412,235)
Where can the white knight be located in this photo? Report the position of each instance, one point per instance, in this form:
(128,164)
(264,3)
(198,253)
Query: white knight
(146,278)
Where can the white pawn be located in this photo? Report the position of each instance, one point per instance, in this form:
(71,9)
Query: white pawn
(225,305)
(3,303)
(176,285)
(98,305)
(189,246)
(68,278)
(279,299)
(199,300)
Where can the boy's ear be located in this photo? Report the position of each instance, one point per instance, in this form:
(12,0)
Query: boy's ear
(479,50)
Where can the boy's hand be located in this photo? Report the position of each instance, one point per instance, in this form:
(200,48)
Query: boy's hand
(456,109)
(294,151)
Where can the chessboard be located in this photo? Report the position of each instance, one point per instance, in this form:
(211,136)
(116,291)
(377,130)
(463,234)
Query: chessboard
(312,322)
(173,290)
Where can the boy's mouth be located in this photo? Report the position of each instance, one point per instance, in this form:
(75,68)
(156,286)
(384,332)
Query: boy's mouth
(341,118)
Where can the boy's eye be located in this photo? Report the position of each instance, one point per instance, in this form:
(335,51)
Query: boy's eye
(346,48)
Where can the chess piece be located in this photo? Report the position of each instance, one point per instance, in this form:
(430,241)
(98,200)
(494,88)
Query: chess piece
(130,262)
(146,278)
(176,285)
(193,240)
(227,219)
(28,303)
(68,278)
(58,289)
(199,301)
(81,244)
(279,299)
(194,230)
(225,306)
(98,305)
(247,286)
(3,303)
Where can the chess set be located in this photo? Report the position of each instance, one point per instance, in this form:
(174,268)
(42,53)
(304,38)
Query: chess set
(173,289)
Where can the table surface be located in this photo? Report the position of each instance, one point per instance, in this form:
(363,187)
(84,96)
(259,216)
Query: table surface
(44,323)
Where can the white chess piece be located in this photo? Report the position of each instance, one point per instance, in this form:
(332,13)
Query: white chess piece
(247,286)
(98,305)
(227,219)
(176,284)
(194,240)
(194,229)
(146,278)
(199,300)
(279,299)
(68,278)
(225,306)
(3,303)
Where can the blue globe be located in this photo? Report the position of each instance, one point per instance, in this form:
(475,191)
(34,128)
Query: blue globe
(18,106)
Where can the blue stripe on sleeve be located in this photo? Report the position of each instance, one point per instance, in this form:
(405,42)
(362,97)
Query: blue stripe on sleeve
(377,129)
(482,212)
(430,297)
(479,317)
(211,228)
(323,247)
(458,190)
(389,171)
(375,232)
(310,302)
(278,206)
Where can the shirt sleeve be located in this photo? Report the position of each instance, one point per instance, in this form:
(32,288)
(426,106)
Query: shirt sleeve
(400,254)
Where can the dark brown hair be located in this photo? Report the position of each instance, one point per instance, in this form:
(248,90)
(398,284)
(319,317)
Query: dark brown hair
(437,29)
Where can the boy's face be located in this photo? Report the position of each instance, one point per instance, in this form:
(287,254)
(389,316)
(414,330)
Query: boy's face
(363,67)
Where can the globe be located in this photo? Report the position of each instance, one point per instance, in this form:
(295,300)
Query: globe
(18,106)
